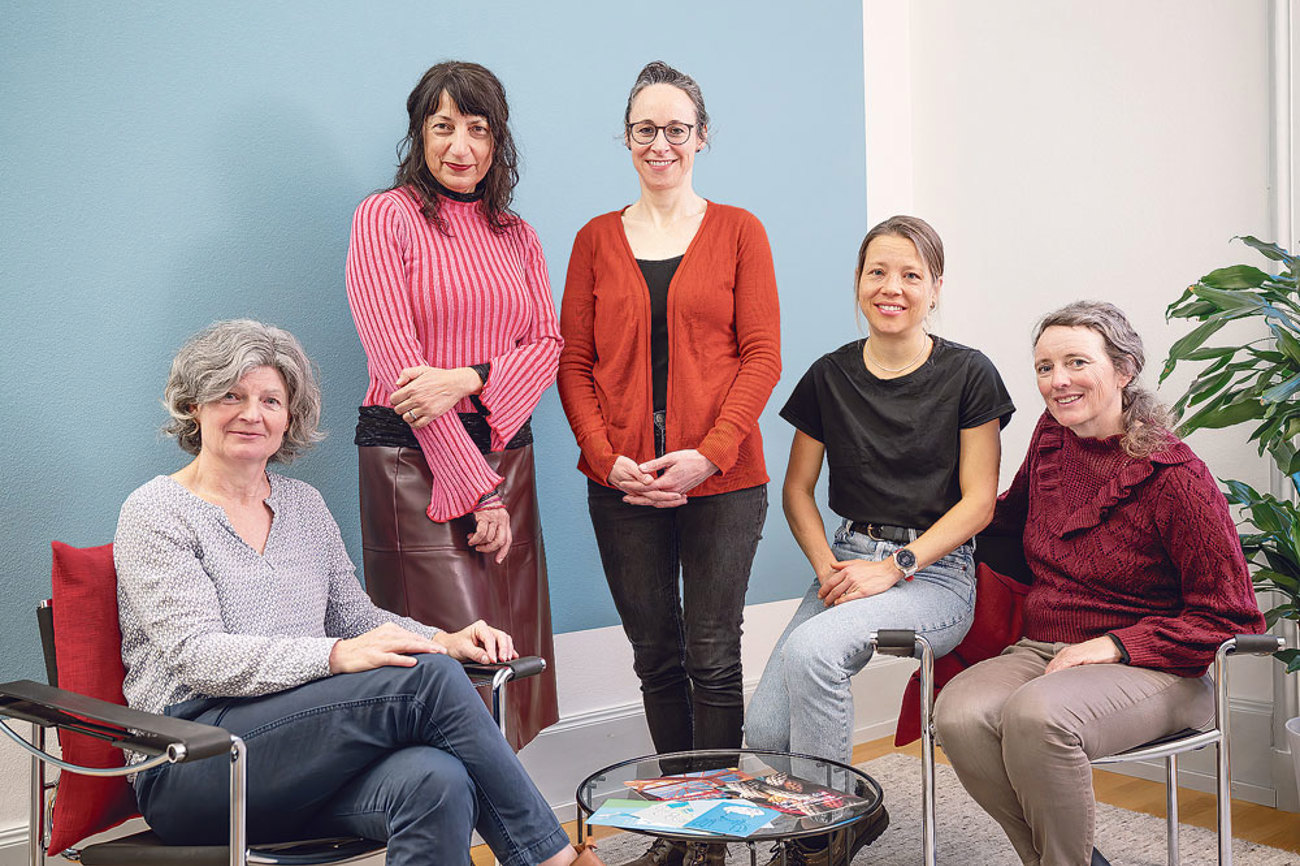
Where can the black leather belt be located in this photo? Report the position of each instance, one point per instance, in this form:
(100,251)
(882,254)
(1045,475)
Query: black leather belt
(881,532)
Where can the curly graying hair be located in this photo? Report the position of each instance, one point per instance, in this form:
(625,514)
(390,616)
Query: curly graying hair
(213,360)
(658,72)
(1146,420)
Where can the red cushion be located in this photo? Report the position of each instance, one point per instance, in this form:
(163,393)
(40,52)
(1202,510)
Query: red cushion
(999,620)
(88,650)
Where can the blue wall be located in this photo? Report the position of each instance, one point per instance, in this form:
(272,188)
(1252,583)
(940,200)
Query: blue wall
(164,165)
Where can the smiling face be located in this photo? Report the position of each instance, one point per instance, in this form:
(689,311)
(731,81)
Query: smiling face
(662,165)
(1079,382)
(895,288)
(248,422)
(457,147)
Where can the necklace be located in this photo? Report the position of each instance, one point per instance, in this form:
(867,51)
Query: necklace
(925,344)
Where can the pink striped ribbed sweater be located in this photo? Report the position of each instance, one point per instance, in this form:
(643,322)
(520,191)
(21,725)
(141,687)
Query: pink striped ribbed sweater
(420,297)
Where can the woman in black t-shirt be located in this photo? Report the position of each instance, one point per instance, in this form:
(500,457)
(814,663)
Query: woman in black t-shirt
(909,424)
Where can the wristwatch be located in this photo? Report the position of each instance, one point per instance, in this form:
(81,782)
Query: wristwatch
(906,562)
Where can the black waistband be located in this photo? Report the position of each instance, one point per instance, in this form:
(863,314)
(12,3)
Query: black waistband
(881,532)
(381,426)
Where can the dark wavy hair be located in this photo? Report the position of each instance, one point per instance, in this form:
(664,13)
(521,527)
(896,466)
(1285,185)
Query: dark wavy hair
(475,90)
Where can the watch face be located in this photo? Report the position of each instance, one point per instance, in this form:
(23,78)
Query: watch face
(905,558)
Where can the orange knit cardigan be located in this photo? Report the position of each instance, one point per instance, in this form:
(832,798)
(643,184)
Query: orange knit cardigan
(724,355)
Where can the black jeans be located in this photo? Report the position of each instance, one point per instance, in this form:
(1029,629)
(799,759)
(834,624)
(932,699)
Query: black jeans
(685,643)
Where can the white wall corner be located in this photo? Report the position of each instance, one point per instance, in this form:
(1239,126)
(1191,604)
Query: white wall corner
(887,94)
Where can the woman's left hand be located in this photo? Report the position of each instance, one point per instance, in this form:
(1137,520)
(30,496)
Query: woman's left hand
(492,532)
(683,470)
(478,642)
(852,579)
(424,393)
(1098,651)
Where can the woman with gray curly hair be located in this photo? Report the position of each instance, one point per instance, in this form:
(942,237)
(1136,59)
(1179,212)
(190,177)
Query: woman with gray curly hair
(1138,577)
(239,606)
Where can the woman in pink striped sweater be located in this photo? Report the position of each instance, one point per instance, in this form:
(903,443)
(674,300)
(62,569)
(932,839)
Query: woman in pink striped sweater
(451,299)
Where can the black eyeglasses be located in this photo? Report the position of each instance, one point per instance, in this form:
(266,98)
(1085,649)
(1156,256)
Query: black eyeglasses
(645,132)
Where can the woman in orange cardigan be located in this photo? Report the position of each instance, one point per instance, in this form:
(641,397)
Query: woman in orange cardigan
(671,348)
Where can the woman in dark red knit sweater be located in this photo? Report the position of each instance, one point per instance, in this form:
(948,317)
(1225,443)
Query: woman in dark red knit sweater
(1138,577)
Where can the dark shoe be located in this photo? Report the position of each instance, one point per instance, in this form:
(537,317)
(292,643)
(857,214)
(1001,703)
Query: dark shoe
(1098,860)
(830,849)
(661,853)
(705,854)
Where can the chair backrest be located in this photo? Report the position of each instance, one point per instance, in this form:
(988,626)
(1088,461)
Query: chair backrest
(86,659)
(1005,554)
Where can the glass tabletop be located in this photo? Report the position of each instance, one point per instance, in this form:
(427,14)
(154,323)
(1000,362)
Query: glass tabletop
(812,796)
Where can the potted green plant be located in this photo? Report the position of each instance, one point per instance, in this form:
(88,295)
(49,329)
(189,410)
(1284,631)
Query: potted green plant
(1257,384)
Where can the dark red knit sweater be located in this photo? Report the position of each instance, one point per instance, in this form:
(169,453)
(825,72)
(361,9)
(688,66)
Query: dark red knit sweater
(1143,549)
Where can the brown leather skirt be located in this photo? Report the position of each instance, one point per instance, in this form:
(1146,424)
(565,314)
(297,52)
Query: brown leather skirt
(427,571)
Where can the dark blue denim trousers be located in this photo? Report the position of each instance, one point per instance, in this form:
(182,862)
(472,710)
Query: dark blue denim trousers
(406,755)
(685,638)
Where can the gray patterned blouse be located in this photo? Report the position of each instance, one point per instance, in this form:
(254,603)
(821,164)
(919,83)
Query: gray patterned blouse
(205,615)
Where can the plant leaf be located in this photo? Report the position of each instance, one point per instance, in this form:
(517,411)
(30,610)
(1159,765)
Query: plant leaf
(1234,277)
(1268,250)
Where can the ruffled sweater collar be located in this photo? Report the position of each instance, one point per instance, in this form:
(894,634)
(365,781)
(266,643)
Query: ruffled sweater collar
(1092,476)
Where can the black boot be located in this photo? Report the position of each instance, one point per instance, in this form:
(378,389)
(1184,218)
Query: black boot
(1098,860)
(661,853)
(830,849)
(705,854)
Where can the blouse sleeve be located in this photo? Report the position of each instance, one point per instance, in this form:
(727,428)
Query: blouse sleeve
(380,300)
(161,582)
(519,376)
(1198,535)
(758,335)
(577,381)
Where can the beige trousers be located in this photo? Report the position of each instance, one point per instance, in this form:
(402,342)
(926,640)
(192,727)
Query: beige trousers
(1021,741)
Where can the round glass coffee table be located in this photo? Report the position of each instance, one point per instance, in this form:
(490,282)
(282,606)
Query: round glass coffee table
(777,780)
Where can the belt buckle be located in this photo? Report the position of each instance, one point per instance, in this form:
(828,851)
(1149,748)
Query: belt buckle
(871,532)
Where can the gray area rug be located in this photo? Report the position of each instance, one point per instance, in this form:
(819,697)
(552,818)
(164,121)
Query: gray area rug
(967,835)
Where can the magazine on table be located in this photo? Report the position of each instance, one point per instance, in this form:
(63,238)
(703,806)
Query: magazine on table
(699,817)
(689,786)
(791,794)
(778,790)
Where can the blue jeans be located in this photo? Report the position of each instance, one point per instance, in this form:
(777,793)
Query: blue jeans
(407,755)
(685,644)
(804,702)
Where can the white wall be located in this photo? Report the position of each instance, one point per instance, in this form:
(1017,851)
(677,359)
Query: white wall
(1102,150)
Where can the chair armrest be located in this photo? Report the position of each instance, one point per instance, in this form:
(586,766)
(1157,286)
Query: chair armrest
(1256,644)
(123,727)
(518,669)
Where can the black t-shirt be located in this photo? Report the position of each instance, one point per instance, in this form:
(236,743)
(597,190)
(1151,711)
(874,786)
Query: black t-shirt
(658,275)
(892,445)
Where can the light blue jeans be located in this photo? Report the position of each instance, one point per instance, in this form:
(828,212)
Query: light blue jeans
(804,703)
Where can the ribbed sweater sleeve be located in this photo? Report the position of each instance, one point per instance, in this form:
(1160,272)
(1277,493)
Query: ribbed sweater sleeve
(520,374)
(422,298)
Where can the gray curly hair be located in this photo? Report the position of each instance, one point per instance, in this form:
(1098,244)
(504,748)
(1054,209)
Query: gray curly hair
(1146,420)
(213,360)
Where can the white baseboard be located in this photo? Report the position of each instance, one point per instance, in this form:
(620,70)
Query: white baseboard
(13,846)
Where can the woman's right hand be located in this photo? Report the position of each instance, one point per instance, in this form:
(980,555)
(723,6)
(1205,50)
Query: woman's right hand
(628,477)
(388,644)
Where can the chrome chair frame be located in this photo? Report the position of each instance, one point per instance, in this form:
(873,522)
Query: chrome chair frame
(907,643)
(169,740)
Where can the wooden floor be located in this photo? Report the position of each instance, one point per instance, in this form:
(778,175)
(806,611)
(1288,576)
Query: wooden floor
(1249,821)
